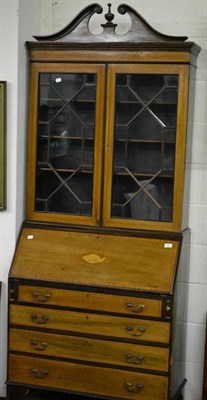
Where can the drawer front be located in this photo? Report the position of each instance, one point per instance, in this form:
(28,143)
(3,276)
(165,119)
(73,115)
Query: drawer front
(91,301)
(94,380)
(87,349)
(95,324)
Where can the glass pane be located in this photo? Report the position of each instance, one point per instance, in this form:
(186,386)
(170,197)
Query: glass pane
(65,145)
(65,193)
(144,146)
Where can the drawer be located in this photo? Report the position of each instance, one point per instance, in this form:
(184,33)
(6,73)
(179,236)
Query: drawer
(89,300)
(94,380)
(88,349)
(92,324)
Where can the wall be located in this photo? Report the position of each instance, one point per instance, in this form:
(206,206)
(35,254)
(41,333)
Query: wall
(19,19)
(175,17)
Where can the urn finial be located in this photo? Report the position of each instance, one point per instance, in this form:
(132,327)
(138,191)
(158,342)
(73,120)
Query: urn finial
(109,16)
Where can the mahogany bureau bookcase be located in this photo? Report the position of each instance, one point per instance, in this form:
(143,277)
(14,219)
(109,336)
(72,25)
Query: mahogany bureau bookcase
(96,294)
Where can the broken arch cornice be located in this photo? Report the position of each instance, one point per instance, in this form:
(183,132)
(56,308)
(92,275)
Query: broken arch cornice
(140,31)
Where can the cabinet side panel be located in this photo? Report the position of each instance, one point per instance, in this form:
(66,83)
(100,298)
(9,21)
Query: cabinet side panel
(179,326)
(185,219)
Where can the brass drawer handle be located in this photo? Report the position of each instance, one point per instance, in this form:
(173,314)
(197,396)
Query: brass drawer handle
(42,299)
(38,345)
(39,373)
(135,309)
(134,359)
(135,331)
(39,319)
(133,388)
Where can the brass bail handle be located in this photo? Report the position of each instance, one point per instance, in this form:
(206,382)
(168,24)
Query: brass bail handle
(39,373)
(38,345)
(41,298)
(132,388)
(134,359)
(135,309)
(135,331)
(39,319)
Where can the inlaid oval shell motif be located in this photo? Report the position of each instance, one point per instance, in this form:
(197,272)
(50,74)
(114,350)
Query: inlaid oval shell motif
(93,258)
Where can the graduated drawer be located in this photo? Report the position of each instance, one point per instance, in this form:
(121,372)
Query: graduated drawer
(88,323)
(90,300)
(87,349)
(87,379)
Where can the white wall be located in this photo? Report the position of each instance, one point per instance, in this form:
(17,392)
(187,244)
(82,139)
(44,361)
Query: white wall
(19,19)
(173,17)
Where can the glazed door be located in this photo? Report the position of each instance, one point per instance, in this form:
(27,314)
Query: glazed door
(65,143)
(145,146)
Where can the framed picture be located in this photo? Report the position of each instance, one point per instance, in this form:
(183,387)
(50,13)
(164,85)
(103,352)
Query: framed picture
(2,145)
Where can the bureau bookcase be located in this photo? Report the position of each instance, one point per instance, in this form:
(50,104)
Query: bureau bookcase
(96,294)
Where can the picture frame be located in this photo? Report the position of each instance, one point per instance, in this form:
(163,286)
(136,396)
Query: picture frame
(2,145)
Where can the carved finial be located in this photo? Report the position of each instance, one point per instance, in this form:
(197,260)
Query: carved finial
(109,16)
